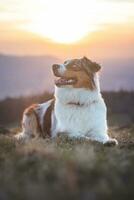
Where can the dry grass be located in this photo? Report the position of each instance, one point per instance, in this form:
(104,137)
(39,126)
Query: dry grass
(67,169)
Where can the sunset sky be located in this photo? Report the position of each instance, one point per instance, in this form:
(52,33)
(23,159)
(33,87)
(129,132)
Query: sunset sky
(96,28)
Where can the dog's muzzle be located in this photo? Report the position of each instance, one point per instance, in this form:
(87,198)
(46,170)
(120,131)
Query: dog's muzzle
(62,80)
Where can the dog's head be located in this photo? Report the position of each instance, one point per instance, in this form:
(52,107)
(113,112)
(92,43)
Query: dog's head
(76,73)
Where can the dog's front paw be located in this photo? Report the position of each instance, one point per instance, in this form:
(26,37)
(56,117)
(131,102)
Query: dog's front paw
(111,142)
(21,137)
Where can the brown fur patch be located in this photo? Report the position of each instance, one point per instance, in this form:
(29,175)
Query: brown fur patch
(84,80)
(89,66)
(31,111)
(47,121)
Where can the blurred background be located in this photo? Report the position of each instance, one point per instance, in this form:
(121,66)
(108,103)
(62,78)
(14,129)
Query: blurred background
(36,34)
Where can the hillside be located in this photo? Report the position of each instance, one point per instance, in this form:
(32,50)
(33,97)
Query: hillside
(64,168)
(67,169)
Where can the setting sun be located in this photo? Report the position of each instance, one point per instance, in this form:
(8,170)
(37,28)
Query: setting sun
(52,26)
(61,21)
(69,21)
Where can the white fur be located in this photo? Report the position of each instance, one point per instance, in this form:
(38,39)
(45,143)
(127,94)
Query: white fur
(88,120)
(62,69)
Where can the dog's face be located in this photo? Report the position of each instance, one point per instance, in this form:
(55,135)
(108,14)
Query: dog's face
(76,73)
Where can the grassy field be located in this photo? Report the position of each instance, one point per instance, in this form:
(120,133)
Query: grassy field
(67,169)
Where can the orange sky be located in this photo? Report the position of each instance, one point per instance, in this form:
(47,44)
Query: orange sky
(108,36)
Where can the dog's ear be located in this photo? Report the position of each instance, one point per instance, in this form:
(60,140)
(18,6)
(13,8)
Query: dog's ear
(90,66)
(96,67)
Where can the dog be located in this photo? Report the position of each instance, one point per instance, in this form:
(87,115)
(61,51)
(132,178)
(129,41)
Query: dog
(77,109)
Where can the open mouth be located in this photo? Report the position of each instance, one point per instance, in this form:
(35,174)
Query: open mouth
(65,81)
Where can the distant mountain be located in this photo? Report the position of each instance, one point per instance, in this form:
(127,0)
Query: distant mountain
(117,74)
(32,74)
(25,75)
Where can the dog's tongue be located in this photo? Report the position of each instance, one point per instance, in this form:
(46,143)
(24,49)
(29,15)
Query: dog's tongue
(64,81)
(60,81)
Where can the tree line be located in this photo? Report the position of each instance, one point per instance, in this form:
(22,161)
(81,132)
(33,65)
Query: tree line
(11,109)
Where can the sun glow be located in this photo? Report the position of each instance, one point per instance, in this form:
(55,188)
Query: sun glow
(60,33)
(66,21)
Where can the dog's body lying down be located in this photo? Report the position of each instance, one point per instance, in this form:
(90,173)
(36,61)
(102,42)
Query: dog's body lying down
(77,110)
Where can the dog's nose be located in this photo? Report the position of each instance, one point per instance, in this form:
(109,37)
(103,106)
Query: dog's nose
(55,66)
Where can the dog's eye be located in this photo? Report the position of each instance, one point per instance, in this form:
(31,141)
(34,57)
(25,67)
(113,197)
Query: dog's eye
(65,62)
(76,67)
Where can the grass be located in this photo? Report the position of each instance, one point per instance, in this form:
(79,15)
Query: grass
(67,169)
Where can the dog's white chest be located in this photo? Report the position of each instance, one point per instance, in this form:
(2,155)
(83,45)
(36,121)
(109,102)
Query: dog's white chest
(78,120)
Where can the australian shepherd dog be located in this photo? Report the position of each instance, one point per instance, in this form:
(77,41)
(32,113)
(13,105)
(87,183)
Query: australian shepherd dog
(77,109)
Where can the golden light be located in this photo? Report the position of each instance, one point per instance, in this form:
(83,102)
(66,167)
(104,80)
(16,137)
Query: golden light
(63,21)
(68,21)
